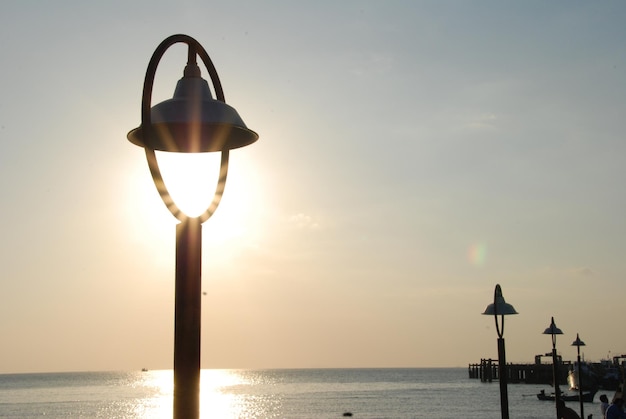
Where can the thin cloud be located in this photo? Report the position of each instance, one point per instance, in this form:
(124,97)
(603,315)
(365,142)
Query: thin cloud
(303,221)
(484,121)
(583,271)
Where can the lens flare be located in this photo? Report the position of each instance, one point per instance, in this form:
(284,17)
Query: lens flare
(477,254)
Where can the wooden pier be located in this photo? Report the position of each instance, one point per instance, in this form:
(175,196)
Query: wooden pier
(487,371)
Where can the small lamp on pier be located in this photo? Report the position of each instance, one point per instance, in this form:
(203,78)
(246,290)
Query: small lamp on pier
(553,330)
(501,308)
(578,343)
(191,122)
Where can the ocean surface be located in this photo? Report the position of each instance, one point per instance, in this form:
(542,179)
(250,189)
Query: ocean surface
(293,393)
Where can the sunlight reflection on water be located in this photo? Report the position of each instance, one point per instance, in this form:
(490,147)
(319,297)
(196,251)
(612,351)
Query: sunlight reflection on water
(294,394)
(223,394)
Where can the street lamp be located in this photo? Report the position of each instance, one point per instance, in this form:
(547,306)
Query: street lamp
(578,343)
(553,330)
(191,122)
(501,308)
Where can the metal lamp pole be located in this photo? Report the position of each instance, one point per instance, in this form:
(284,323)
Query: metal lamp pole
(553,330)
(501,308)
(191,122)
(578,343)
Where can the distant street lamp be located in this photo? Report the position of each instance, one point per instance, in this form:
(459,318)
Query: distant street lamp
(191,122)
(553,330)
(578,343)
(501,308)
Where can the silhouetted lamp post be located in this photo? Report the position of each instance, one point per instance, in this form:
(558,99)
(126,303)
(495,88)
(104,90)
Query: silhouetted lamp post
(501,308)
(578,343)
(553,330)
(191,122)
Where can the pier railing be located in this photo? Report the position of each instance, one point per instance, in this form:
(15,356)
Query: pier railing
(487,371)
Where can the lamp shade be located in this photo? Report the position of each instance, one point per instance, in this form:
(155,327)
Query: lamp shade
(552,329)
(193,122)
(499,306)
(578,342)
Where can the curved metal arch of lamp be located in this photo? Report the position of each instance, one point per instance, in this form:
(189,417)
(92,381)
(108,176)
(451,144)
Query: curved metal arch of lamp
(153,165)
(499,308)
(195,48)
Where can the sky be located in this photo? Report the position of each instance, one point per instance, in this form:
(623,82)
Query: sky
(412,155)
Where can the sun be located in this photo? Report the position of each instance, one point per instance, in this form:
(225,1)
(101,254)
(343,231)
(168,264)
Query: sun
(191,180)
(237,224)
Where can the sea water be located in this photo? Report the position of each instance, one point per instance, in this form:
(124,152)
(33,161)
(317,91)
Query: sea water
(289,393)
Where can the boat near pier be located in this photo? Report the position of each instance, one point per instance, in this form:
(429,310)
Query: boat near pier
(568,397)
